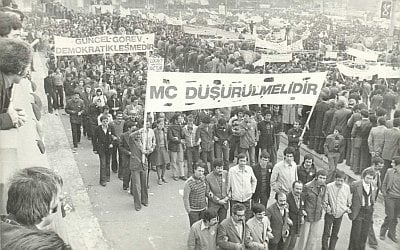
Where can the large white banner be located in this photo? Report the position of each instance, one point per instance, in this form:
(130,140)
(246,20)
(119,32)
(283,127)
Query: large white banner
(279,47)
(65,46)
(273,59)
(366,55)
(174,91)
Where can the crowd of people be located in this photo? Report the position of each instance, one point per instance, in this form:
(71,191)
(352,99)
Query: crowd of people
(227,157)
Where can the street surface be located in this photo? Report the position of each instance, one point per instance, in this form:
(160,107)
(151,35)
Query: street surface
(164,224)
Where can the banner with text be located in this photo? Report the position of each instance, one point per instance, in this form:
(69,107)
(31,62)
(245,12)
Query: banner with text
(174,91)
(279,47)
(65,46)
(156,64)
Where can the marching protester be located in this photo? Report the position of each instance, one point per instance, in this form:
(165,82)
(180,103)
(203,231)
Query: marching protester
(284,173)
(241,184)
(75,108)
(390,191)
(217,189)
(194,194)
(314,203)
(203,233)
(260,228)
(337,202)
(306,171)
(262,172)
(278,215)
(295,201)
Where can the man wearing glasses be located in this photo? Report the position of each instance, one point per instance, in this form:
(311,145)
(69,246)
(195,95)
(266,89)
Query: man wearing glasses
(233,232)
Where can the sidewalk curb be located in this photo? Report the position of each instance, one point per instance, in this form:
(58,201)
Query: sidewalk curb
(82,226)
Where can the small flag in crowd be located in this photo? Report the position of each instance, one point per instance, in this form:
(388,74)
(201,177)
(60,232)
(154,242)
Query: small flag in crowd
(386,9)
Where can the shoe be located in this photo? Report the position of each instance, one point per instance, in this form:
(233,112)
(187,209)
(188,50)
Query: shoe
(138,209)
(382,237)
(103,184)
(393,238)
(183,178)
(114,171)
(168,167)
(164,180)
(175,178)
(108,180)
(145,204)
(159,182)
(373,246)
(124,188)
(154,169)
(74,150)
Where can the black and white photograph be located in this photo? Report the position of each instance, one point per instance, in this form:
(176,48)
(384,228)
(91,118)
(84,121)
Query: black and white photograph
(199,124)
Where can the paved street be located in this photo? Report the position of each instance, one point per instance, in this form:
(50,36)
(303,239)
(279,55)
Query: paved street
(164,224)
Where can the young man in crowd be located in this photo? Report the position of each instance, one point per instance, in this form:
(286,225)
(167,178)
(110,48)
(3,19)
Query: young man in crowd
(205,134)
(267,141)
(194,194)
(116,157)
(284,173)
(175,138)
(334,147)
(262,171)
(203,233)
(306,171)
(138,167)
(278,215)
(160,157)
(217,189)
(259,227)
(102,141)
(314,197)
(191,144)
(337,202)
(75,108)
(391,193)
(34,198)
(222,134)
(242,184)
(248,136)
(295,140)
(362,208)
(125,152)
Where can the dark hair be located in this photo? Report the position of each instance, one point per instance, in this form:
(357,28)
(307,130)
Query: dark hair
(396,114)
(209,214)
(238,207)
(30,194)
(377,160)
(258,208)
(322,172)
(382,120)
(206,119)
(309,157)
(368,171)
(340,174)
(265,154)
(7,23)
(28,239)
(241,156)
(218,162)
(15,56)
(396,122)
(396,160)
(288,150)
(338,128)
(199,164)
(105,108)
(295,182)
(103,117)
(277,194)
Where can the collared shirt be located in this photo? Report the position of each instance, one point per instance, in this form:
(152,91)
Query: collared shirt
(367,188)
(241,183)
(238,227)
(202,237)
(190,136)
(283,175)
(338,198)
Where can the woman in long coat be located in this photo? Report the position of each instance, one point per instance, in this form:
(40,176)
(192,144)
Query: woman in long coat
(160,157)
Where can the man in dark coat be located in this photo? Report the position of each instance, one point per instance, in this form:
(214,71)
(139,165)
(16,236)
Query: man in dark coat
(361,156)
(362,208)
(267,140)
(306,171)
(278,215)
(49,90)
(262,171)
(217,185)
(319,112)
(75,108)
(295,201)
(328,117)
(102,141)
